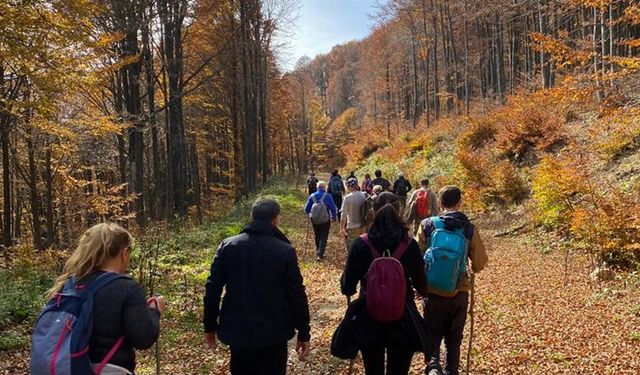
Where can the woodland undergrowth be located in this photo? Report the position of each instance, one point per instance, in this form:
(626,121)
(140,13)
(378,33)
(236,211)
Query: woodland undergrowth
(568,164)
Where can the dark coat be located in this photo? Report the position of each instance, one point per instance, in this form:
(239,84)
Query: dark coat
(362,331)
(120,309)
(265,299)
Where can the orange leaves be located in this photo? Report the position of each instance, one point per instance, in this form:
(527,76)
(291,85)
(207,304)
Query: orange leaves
(560,50)
(609,226)
(632,14)
(532,122)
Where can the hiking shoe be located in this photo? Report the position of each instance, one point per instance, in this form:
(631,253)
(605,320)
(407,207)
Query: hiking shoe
(434,371)
(319,259)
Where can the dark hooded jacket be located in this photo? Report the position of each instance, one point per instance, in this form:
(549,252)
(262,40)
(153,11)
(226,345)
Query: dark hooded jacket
(362,331)
(477,252)
(265,299)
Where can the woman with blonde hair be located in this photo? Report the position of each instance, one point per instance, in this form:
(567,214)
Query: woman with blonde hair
(122,318)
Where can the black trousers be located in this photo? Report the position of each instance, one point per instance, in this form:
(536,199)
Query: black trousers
(398,360)
(321,233)
(337,199)
(445,319)
(271,360)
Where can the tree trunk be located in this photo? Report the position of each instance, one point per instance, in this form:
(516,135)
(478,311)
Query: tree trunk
(32,181)
(52,238)
(172,13)
(544,59)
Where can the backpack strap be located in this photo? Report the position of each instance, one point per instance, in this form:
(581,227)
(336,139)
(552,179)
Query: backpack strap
(313,198)
(103,280)
(402,247)
(439,224)
(323,196)
(397,253)
(106,358)
(374,252)
(97,284)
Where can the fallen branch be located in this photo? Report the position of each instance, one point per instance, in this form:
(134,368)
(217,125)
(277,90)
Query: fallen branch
(512,230)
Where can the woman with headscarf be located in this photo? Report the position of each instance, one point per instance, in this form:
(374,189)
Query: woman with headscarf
(398,339)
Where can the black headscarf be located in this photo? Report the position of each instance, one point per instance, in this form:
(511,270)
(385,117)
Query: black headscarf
(388,228)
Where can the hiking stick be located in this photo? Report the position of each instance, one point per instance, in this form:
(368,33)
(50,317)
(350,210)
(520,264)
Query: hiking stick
(152,279)
(472,317)
(306,239)
(351,361)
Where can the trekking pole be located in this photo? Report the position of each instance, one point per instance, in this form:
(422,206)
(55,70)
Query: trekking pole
(152,279)
(305,251)
(351,361)
(472,317)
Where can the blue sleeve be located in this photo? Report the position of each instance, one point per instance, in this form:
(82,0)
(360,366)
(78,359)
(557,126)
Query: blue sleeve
(307,208)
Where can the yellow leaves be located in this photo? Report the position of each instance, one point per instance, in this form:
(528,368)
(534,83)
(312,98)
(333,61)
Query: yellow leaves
(556,183)
(562,53)
(618,132)
(632,14)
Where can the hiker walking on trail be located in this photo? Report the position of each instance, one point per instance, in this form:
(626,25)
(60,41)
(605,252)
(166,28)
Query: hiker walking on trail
(366,184)
(375,191)
(336,189)
(312,183)
(422,204)
(352,174)
(401,187)
(264,301)
(385,319)
(354,211)
(450,241)
(379,180)
(321,210)
(118,320)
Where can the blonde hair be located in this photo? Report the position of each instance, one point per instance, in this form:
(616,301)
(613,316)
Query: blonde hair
(322,185)
(98,244)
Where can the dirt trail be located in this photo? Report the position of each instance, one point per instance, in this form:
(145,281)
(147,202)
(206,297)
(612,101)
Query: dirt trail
(530,318)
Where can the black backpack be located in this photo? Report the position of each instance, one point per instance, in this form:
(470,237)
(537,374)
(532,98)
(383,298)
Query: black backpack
(312,183)
(402,187)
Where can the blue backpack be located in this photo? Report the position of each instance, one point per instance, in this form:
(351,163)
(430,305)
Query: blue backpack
(60,340)
(336,186)
(446,257)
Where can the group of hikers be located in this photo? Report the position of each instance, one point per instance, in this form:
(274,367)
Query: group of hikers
(353,202)
(255,299)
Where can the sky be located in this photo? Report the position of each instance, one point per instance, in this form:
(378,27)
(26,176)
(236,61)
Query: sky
(324,23)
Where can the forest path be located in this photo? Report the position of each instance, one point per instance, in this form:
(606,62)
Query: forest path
(533,316)
(537,312)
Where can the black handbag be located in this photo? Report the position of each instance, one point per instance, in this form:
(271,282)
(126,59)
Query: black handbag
(343,345)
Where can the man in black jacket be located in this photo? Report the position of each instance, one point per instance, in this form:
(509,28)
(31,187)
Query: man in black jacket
(265,301)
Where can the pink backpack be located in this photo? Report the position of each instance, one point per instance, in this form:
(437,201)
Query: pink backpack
(386,291)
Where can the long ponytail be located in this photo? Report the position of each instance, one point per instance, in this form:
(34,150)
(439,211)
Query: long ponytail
(98,244)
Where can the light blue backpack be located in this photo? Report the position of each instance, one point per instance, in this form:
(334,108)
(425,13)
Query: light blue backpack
(60,340)
(446,257)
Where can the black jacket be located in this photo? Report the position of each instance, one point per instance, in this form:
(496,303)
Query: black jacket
(362,331)
(360,258)
(265,299)
(120,309)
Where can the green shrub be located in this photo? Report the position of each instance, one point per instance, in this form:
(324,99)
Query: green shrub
(22,295)
(11,340)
